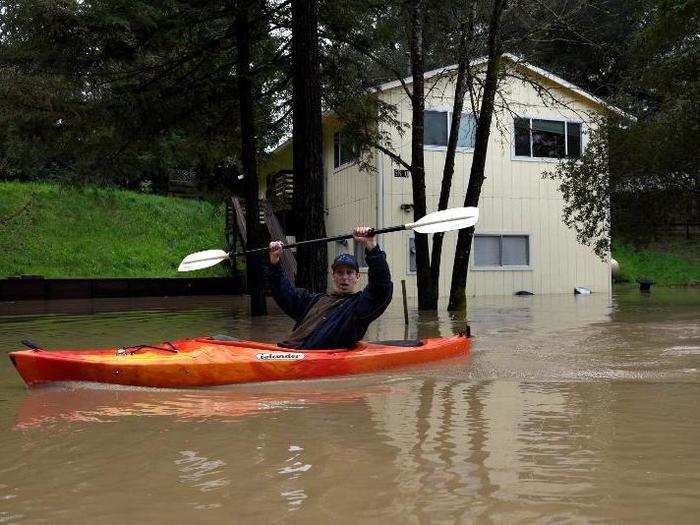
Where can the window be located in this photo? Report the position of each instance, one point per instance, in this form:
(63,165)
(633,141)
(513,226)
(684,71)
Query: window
(437,126)
(501,250)
(547,138)
(360,255)
(341,247)
(573,139)
(467,132)
(343,153)
(412,255)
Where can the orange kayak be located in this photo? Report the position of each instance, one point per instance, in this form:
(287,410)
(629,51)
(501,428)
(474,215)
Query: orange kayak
(206,361)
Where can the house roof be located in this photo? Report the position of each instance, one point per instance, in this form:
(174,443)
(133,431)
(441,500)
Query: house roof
(446,70)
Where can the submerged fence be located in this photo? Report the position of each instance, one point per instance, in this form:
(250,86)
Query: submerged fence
(36,287)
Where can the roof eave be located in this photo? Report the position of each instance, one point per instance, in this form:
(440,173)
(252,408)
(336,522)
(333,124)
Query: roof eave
(517,61)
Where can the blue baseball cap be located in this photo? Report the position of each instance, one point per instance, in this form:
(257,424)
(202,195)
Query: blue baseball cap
(345,259)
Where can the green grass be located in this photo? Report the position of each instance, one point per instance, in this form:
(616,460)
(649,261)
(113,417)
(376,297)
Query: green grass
(62,231)
(673,263)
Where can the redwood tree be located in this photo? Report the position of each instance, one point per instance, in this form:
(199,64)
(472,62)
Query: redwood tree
(307,146)
(462,83)
(426,291)
(246,104)
(458,299)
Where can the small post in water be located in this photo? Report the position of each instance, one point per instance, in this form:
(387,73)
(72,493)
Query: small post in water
(405,303)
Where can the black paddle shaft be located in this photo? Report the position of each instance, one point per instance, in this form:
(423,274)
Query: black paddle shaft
(325,239)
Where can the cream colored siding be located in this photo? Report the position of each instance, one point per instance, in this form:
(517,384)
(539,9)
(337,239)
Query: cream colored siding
(279,159)
(350,197)
(515,199)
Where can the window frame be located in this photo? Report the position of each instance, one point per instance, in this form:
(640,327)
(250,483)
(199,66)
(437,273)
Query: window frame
(340,167)
(566,122)
(510,268)
(435,147)
(357,247)
(342,246)
(408,255)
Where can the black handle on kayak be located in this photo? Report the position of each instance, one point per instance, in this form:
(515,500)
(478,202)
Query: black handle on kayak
(373,232)
(35,347)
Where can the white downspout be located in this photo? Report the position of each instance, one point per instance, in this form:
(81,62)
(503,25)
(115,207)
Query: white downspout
(380,186)
(380,190)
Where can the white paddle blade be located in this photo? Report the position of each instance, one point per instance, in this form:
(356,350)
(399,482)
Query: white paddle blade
(201,260)
(447,220)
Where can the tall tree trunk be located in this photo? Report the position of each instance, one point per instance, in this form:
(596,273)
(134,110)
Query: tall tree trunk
(458,299)
(417,158)
(255,282)
(466,31)
(307,146)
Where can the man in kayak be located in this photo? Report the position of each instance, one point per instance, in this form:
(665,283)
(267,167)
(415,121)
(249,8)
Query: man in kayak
(339,319)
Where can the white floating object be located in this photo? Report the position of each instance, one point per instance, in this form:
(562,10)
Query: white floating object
(614,267)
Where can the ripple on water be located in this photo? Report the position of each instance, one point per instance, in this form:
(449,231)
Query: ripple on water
(682,350)
(201,472)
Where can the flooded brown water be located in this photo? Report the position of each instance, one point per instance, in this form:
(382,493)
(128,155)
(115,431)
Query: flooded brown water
(569,409)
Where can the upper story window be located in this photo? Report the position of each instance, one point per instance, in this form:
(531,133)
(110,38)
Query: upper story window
(553,139)
(343,152)
(437,129)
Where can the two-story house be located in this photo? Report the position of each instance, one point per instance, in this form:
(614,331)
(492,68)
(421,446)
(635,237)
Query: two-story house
(520,242)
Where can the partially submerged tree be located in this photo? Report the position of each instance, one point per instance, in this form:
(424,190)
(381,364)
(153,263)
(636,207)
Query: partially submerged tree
(307,145)
(247,10)
(388,54)
(415,8)
(458,285)
(463,83)
(466,31)
(121,92)
(537,31)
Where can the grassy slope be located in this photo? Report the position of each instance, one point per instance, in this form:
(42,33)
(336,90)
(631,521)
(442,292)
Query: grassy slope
(674,263)
(58,231)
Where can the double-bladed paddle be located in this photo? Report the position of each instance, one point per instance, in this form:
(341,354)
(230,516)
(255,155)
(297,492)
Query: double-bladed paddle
(439,221)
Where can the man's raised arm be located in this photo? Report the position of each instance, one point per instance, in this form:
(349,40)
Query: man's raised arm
(293,301)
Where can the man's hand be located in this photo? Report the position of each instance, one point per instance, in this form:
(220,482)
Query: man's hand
(275,252)
(362,235)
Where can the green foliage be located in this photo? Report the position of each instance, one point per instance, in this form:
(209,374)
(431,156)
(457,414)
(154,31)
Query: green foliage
(585,44)
(672,263)
(63,231)
(620,188)
(585,187)
(122,91)
(641,174)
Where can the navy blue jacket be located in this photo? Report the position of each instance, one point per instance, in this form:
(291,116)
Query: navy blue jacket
(348,322)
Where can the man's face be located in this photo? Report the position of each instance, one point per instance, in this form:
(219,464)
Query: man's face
(345,278)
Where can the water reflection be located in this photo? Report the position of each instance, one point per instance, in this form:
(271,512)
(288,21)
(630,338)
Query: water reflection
(568,409)
(292,471)
(62,406)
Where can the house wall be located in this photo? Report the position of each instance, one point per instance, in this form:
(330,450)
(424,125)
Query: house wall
(351,199)
(515,198)
(350,194)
